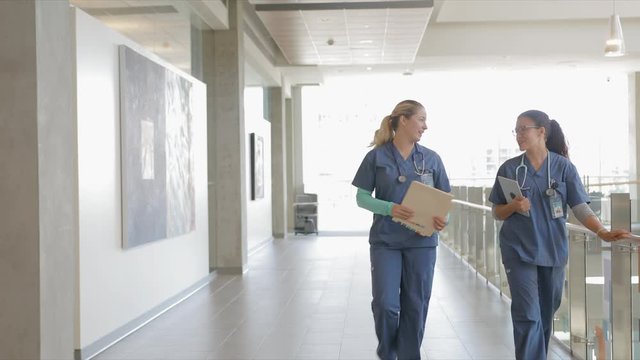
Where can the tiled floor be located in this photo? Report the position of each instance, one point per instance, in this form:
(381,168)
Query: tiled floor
(308,297)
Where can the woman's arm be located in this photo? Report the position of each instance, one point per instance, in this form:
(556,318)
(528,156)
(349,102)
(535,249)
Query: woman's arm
(503,211)
(588,218)
(381,207)
(376,206)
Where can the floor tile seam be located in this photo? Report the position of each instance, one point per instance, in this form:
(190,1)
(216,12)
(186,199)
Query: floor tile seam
(228,304)
(487,284)
(465,346)
(353,266)
(281,314)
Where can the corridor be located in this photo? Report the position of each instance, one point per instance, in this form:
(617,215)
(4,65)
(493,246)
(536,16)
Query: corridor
(308,297)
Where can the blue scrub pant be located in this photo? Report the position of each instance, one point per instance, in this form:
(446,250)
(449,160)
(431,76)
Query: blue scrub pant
(536,293)
(401,283)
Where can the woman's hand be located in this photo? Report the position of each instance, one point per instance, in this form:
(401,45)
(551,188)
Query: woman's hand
(613,235)
(401,212)
(439,223)
(520,204)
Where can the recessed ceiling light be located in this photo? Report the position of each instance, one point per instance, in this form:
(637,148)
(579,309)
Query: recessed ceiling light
(366,41)
(369,68)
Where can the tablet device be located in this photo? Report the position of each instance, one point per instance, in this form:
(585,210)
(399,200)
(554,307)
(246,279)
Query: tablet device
(511,189)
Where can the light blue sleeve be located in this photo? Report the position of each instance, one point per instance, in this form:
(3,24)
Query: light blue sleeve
(377,206)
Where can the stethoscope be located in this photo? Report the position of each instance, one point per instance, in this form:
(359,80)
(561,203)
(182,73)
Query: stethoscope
(551,190)
(419,170)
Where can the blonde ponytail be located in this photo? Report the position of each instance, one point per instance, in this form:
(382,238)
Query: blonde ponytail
(389,124)
(384,134)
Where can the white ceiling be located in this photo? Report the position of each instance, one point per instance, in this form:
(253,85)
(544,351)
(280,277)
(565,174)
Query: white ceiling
(346,33)
(161,26)
(399,36)
(155,24)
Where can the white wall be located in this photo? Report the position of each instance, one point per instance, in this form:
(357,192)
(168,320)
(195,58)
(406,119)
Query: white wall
(116,285)
(259,223)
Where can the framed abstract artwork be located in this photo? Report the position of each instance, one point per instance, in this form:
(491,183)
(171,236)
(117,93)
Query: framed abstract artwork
(157,161)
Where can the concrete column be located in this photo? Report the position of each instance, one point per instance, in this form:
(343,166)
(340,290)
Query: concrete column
(223,72)
(38,185)
(290,163)
(278,161)
(298,178)
(295,183)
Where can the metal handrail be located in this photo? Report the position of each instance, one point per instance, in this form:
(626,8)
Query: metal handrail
(471,205)
(616,183)
(570,226)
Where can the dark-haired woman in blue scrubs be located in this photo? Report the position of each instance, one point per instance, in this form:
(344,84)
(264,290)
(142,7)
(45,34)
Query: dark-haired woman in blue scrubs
(533,237)
(402,261)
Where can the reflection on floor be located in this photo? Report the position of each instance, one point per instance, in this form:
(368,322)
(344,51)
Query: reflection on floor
(308,297)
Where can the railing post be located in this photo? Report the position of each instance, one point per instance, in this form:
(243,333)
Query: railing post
(578,293)
(464,228)
(490,243)
(476,243)
(621,280)
(457,221)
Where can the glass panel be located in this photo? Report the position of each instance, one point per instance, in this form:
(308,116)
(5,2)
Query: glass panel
(493,255)
(598,288)
(635,286)
(504,283)
(561,319)
(635,306)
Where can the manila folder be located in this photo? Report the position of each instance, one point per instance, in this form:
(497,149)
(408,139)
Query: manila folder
(426,202)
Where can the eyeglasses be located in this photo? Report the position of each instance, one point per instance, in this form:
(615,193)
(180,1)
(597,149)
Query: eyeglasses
(521,129)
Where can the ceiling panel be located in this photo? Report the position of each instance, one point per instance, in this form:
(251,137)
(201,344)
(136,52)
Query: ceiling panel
(365,34)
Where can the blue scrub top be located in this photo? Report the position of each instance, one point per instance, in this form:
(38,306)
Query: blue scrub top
(539,239)
(379,171)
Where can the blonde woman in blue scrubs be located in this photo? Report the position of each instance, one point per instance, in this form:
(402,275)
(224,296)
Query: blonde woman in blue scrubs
(535,247)
(402,261)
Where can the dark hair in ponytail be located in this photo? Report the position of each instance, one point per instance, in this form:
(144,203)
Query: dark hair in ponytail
(555,140)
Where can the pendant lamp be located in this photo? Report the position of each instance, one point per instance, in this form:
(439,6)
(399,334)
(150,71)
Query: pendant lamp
(615,43)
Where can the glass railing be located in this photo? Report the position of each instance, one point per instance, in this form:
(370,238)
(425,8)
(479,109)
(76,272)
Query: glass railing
(635,304)
(599,316)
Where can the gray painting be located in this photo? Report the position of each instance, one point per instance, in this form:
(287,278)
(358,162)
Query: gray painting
(158,195)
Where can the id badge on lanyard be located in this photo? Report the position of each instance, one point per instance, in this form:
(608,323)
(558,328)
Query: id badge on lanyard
(555,201)
(427,179)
